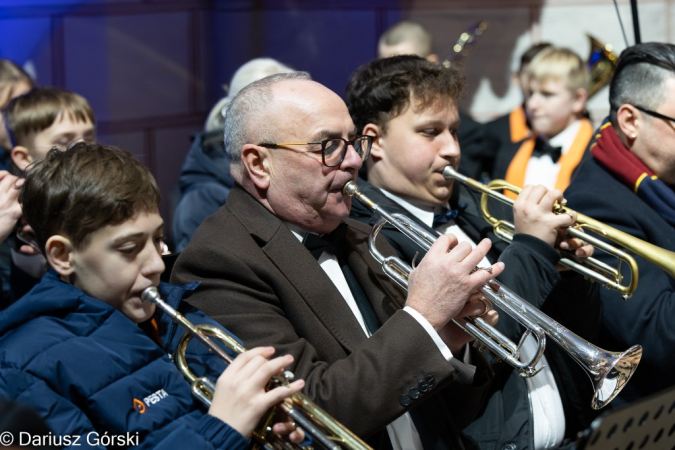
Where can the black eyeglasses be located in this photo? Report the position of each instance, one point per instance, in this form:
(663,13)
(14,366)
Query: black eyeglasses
(334,150)
(654,113)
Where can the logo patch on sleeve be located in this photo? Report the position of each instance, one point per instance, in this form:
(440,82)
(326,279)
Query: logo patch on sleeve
(156,397)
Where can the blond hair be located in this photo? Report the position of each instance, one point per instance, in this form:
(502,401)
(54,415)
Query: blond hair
(248,73)
(562,64)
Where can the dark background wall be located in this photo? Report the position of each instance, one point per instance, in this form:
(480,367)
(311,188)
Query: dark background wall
(153,68)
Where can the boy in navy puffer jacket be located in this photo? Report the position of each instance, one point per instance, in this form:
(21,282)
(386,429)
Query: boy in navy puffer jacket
(86,352)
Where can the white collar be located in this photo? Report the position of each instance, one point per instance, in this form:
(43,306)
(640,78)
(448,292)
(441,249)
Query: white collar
(424,213)
(298,232)
(566,137)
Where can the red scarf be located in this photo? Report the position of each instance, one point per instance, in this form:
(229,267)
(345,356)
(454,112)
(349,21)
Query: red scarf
(610,152)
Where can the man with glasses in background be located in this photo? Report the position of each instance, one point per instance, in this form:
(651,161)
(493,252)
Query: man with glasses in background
(392,368)
(627,182)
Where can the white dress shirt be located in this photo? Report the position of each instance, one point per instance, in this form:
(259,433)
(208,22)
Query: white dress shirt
(542,169)
(545,401)
(402,431)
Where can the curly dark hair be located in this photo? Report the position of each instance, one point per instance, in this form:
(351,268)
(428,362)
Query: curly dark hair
(87,187)
(381,90)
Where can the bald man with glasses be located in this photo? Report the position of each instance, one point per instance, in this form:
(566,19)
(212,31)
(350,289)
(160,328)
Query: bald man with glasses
(627,183)
(282,265)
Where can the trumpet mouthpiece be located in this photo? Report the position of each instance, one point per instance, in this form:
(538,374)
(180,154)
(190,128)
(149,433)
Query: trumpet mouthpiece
(150,294)
(451,174)
(350,188)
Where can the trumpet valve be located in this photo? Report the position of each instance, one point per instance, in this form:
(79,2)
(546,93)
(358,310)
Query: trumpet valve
(480,346)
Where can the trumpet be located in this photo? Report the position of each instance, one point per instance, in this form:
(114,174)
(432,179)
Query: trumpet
(327,432)
(609,371)
(608,276)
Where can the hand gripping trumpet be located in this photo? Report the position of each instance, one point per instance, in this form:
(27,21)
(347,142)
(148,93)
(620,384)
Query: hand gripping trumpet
(609,371)
(592,268)
(326,432)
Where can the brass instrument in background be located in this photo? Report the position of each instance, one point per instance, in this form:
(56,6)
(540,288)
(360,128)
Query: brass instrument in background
(463,45)
(592,268)
(609,371)
(601,63)
(325,431)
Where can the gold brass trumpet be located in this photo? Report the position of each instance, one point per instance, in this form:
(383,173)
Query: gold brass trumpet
(609,371)
(326,432)
(592,268)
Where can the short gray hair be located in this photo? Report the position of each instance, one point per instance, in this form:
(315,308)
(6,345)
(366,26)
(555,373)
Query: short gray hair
(241,124)
(409,31)
(253,70)
(640,75)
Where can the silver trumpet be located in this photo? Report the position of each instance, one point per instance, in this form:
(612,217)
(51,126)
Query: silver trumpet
(609,371)
(326,432)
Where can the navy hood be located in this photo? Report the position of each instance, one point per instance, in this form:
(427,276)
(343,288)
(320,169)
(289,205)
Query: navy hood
(207,161)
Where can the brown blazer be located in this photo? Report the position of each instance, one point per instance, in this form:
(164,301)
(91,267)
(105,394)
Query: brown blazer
(262,284)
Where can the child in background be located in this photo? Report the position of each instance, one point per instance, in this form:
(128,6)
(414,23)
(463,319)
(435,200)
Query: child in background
(555,108)
(36,122)
(44,118)
(14,81)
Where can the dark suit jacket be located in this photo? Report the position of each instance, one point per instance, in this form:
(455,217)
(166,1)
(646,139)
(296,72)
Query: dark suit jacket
(531,273)
(503,155)
(493,153)
(261,282)
(647,317)
(471,138)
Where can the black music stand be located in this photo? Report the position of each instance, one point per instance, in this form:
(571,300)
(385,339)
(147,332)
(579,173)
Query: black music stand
(645,424)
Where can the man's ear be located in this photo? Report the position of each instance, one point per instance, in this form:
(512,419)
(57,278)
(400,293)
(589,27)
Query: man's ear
(257,164)
(377,149)
(580,99)
(627,121)
(58,251)
(432,57)
(21,157)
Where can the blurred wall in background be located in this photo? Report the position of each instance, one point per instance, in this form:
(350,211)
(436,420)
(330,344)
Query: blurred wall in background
(152,69)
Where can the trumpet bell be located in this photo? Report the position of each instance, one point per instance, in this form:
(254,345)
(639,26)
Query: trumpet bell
(327,432)
(611,373)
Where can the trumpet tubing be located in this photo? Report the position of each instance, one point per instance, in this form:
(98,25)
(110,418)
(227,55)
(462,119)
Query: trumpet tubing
(609,371)
(325,430)
(608,276)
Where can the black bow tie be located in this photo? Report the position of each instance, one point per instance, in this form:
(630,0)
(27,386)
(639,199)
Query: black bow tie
(333,242)
(542,148)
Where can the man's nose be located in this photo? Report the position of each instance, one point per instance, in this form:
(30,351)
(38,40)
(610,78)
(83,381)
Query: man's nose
(352,159)
(450,147)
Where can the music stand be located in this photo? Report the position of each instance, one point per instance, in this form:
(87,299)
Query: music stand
(645,424)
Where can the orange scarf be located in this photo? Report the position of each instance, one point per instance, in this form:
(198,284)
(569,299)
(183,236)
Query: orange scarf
(515,174)
(518,125)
